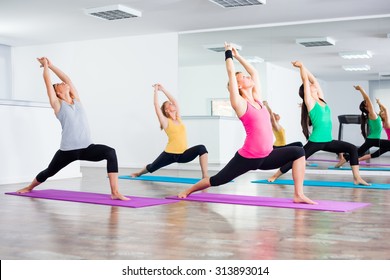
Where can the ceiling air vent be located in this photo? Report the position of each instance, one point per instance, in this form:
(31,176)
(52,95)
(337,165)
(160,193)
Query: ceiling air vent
(113,12)
(238,3)
(316,42)
(385,75)
(221,47)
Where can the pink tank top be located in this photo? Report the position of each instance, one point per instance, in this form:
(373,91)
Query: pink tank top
(388,133)
(259,138)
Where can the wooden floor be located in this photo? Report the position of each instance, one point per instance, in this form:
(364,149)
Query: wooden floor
(47,229)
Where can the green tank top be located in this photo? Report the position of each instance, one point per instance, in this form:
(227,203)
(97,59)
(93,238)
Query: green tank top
(321,119)
(375,127)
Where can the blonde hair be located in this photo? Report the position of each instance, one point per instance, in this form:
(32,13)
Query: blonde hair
(164,112)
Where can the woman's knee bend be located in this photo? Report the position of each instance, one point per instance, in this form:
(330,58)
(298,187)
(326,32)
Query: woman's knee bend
(202,150)
(298,152)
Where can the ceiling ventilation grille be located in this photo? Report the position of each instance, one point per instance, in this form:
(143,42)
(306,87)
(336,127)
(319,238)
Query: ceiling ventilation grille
(238,3)
(113,12)
(384,75)
(316,42)
(221,48)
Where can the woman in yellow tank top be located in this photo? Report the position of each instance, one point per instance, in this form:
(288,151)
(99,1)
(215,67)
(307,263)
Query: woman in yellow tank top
(278,130)
(176,150)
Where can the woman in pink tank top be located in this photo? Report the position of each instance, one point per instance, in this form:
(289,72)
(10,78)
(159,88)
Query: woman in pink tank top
(257,151)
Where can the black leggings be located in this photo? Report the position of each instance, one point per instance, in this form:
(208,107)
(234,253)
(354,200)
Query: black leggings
(239,165)
(165,158)
(384,146)
(296,144)
(334,146)
(91,153)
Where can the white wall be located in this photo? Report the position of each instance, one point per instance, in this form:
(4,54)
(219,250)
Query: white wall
(199,84)
(5,72)
(343,99)
(30,138)
(282,95)
(114,78)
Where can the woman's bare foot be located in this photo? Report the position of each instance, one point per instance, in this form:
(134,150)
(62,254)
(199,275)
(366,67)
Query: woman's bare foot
(341,162)
(275,176)
(303,199)
(134,175)
(119,196)
(25,190)
(361,182)
(183,194)
(272,178)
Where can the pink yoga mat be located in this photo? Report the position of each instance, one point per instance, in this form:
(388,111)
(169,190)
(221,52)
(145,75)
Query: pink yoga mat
(323,205)
(94,198)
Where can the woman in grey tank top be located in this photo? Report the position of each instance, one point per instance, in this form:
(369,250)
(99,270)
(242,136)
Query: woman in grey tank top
(76,143)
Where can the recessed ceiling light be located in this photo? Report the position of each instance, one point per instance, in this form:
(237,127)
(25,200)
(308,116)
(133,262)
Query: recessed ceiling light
(356,55)
(221,47)
(113,12)
(238,3)
(356,67)
(316,42)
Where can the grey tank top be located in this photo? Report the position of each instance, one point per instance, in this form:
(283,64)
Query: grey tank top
(75,128)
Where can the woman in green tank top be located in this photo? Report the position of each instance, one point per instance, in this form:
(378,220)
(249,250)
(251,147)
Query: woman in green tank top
(316,113)
(371,123)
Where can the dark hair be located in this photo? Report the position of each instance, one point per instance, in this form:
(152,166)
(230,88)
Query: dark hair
(364,117)
(305,119)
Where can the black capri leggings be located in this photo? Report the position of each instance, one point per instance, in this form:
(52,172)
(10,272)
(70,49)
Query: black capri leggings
(94,152)
(334,146)
(239,165)
(297,144)
(165,158)
(384,146)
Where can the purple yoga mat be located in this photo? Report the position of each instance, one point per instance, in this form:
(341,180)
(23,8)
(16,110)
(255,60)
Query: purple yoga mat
(94,198)
(360,163)
(323,205)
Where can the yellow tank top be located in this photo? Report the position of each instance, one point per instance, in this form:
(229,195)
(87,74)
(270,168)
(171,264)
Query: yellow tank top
(177,137)
(280,137)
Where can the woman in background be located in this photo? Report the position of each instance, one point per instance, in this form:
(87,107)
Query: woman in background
(278,129)
(316,112)
(374,122)
(176,150)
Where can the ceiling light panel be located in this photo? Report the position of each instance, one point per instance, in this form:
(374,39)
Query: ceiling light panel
(221,47)
(238,3)
(356,67)
(113,12)
(316,42)
(356,55)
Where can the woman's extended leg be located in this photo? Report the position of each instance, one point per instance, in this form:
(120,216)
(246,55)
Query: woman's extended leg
(59,161)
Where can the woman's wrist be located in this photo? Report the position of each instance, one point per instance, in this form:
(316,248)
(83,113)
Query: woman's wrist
(228,54)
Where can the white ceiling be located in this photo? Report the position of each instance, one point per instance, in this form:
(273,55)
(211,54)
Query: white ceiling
(268,31)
